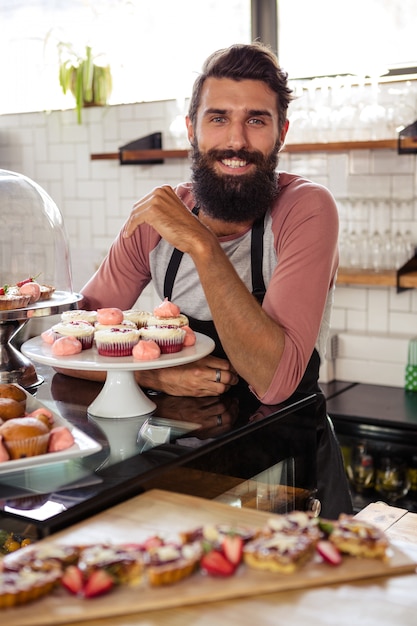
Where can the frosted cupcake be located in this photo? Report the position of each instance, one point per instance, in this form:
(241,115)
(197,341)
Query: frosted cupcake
(169,340)
(168,322)
(79,315)
(116,341)
(140,318)
(167,314)
(83,331)
(110,316)
(123,324)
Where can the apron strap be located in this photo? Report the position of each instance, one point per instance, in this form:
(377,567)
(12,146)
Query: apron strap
(257,251)
(257,254)
(173,266)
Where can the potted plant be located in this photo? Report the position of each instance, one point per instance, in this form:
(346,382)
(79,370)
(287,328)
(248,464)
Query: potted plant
(85,77)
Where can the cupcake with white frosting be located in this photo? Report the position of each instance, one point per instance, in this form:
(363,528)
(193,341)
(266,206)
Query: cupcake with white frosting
(116,342)
(169,339)
(83,331)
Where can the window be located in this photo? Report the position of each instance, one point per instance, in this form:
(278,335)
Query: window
(330,37)
(156,47)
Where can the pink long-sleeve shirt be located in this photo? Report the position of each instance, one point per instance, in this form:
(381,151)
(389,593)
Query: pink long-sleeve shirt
(299,267)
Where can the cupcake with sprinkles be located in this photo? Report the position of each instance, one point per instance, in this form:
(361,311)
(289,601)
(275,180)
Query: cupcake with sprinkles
(79,315)
(83,331)
(116,342)
(169,339)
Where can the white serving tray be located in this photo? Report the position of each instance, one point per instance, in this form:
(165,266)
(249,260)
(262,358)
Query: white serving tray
(83,445)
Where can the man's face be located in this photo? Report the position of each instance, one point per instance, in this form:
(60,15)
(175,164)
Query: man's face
(235,148)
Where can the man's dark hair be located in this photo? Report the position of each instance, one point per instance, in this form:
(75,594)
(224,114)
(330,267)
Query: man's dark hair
(242,62)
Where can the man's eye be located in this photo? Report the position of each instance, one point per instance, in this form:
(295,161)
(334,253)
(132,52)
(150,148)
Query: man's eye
(256,121)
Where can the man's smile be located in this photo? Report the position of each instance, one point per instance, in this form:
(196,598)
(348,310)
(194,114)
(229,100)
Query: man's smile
(234,163)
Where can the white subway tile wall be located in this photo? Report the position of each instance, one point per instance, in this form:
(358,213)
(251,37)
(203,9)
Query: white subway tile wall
(95,197)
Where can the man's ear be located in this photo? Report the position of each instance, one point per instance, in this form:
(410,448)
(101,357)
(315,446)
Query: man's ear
(284,132)
(190,130)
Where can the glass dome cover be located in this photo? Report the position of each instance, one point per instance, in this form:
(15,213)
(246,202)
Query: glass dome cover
(33,245)
(33,241)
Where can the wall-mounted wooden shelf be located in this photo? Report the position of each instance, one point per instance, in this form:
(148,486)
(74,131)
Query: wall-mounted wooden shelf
(141,155)
(385,278)
(338,146)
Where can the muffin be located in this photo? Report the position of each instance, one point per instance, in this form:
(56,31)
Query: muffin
(24,437)
(83,331)
(79,315)
(169,340)
(10,390)
(116,341)
(9,409)
(13,392)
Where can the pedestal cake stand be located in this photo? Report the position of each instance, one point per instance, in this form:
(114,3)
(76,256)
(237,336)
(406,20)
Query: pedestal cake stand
(120,396)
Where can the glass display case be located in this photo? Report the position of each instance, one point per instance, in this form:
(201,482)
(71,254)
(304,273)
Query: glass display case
(33,248)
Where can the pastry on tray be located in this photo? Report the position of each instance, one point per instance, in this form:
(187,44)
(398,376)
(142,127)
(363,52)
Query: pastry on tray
(168,563)
(358,538)
(283,545)
(23,294)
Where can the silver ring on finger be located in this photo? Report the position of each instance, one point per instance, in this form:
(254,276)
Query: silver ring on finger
(218,376)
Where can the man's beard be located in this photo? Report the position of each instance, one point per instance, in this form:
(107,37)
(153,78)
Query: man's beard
(237,198)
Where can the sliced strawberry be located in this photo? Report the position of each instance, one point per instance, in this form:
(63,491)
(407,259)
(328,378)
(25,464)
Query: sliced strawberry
(233,548)
(152,542)
(329,552)
(98,583)
(216,564)
(31,279)
(23,282)
(73,579)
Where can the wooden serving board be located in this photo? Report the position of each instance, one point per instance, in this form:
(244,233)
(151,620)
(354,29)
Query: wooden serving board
(161,512)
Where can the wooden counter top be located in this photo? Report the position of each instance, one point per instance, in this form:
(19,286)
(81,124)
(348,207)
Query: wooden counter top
(376,602)
(379,600)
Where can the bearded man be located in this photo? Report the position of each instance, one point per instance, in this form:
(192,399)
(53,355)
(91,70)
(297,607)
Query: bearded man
(248,253)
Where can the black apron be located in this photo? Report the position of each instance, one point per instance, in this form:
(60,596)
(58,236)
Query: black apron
(332,485)
(309,382)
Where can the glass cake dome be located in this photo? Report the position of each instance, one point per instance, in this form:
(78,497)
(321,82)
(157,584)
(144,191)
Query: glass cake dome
(33,244)
(33,241)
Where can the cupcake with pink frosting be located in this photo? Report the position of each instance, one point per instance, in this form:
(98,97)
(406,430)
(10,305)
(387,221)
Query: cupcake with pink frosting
(110,316)
(167,315)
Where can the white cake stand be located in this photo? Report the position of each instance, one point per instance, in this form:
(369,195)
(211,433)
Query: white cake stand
(121,396)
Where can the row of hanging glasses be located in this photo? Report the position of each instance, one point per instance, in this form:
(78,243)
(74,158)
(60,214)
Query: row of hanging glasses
(350,108)
(375,233)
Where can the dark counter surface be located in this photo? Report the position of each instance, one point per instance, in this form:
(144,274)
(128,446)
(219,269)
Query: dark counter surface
(232,438)
(391,407)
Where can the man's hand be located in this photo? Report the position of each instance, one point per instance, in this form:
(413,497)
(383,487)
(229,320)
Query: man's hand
(209,376)
(163,210)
